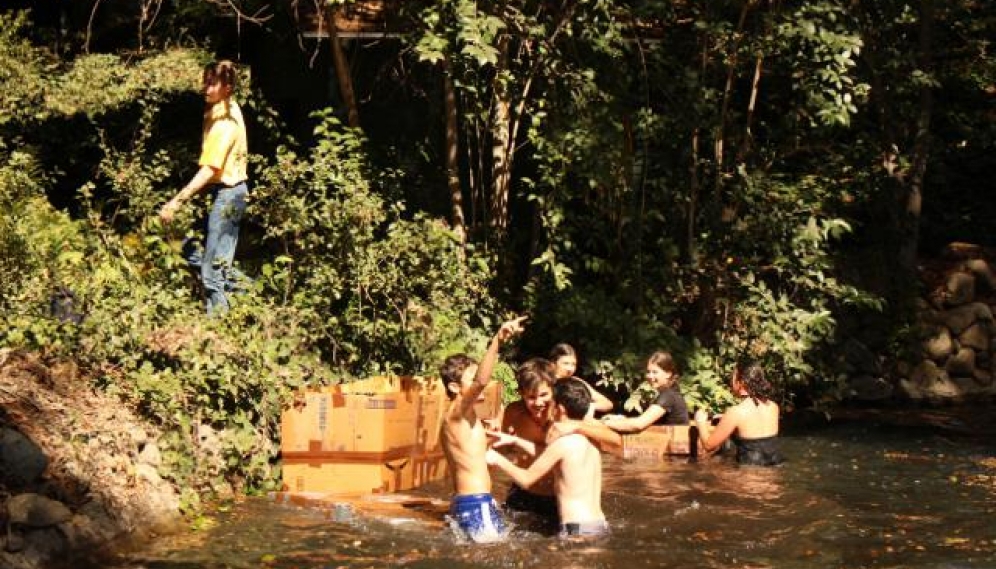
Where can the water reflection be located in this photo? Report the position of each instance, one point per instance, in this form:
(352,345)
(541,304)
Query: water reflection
(848,497)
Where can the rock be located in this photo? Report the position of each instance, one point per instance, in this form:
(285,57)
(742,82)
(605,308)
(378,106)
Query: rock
(959,289)
(138,436)
(961,363)
(939,346)
(150,455)
(982,271)
(21,461)
(47,545)
(868,388)
(928,381)
(14,542)
(81,531)
(208,440)
(961,317)
(148,473)
(975,336)
(966,386)
(909,389)
(859,359)
(37,511)
(983,377)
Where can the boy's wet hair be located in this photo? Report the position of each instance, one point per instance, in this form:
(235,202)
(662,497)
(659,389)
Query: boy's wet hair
(533,373)
(223,71)
(452,370)
(574,396)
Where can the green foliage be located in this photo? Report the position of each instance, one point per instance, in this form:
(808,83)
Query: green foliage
(356,289)
(22,71)
(382,294)
(823,45)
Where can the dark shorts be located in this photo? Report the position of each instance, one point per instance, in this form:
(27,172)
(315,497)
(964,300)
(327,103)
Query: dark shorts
(525,501)
(477,517)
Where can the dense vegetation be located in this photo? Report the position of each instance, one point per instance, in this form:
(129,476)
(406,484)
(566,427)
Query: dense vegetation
(718,179)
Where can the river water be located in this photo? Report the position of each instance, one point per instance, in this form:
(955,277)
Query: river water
(849,496)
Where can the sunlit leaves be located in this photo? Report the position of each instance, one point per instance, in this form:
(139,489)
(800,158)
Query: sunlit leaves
(822,43)
(100,82)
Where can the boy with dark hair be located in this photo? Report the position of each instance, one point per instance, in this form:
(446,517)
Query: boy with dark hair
(575,462)
(527,425)
(464,439)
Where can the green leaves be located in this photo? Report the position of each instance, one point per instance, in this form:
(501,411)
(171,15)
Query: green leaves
(458,28)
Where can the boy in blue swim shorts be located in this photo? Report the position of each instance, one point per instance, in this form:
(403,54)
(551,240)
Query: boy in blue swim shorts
(473,511)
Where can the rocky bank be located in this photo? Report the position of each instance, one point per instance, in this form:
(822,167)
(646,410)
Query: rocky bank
(78,472)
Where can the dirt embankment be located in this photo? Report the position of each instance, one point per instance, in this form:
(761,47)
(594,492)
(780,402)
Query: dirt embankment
(77,469)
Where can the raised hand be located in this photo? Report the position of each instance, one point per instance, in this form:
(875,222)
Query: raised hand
(512,328)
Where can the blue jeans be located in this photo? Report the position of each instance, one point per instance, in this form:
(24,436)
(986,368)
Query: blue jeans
(215,259)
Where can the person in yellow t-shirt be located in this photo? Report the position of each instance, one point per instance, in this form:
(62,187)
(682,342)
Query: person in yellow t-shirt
(223,166)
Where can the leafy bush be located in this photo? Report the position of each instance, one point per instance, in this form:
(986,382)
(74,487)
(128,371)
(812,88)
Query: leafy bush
(382,294)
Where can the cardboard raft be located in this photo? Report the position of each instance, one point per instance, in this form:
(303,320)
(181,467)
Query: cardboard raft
(368,437)
(660,441)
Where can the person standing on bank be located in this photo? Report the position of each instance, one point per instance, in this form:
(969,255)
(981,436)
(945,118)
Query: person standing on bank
(223,171)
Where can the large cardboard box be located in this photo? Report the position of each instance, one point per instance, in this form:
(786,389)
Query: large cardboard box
(659,441)
(349,474)
(375,435)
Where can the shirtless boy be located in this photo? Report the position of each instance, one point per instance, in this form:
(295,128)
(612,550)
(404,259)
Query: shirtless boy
(575,462)
(527,424)
(465,441)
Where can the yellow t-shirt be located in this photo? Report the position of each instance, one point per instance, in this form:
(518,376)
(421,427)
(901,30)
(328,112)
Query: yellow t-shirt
(224,147)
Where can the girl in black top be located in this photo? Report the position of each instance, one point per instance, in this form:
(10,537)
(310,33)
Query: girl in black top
(668,409)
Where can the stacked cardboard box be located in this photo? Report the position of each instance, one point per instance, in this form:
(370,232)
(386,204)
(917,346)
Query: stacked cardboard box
(370,436)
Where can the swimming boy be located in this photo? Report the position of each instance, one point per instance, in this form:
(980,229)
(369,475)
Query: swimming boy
(465,441)
(575,462)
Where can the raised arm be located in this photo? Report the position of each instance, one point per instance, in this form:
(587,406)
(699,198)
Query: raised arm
(486,367)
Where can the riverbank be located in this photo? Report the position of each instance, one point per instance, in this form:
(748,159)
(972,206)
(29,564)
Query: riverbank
(78,470)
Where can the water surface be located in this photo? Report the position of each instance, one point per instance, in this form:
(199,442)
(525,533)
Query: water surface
(850,496)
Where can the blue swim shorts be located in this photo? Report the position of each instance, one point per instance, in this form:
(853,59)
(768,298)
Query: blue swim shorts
(477,516)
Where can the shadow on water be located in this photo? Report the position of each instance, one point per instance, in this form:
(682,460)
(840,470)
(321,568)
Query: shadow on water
(850,496)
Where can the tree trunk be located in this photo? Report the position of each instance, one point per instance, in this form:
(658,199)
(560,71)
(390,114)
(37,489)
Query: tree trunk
(913,198)
(342,73)
(452,163)
(501,149)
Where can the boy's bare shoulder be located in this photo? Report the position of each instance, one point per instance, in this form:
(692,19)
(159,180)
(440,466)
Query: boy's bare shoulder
(571,441)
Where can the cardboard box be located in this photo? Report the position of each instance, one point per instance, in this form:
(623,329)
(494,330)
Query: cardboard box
(348,475)
(659,441)
(376,435)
